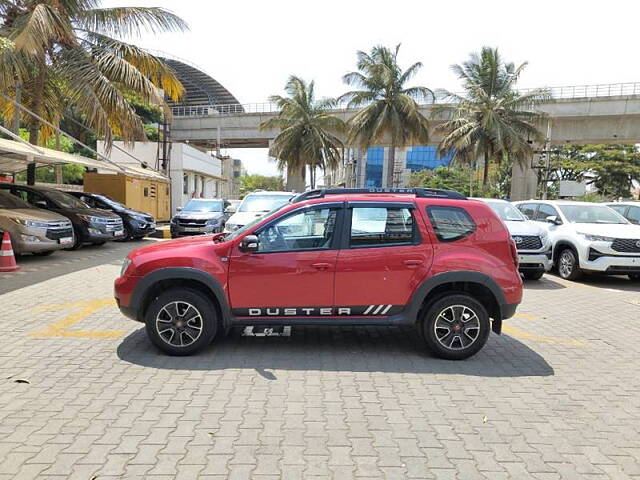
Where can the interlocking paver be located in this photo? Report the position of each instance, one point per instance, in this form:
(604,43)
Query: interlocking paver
(542,401)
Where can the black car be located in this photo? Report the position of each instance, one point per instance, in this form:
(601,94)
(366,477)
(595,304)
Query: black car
(91,225)
(200,216)
(136,224)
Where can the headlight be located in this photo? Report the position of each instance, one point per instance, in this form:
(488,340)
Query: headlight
(31,223)
(91,218)
(125,265)
(596,238)
(213,221)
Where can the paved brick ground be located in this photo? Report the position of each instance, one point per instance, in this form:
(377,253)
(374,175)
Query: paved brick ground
(557,396)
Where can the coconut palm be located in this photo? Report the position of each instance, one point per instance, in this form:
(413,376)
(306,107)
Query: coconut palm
(389,112)
(491,119)
(66,56)
(308,131)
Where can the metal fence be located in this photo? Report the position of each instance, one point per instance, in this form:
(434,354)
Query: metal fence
(567,92)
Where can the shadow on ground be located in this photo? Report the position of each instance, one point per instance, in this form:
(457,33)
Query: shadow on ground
(545,283)
(36,269)
(361,349)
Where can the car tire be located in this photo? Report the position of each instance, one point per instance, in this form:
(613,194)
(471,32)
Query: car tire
(568,265)
(171,331)
(446,329)
(533,275)
(127,235)
(46,253)
(634,277)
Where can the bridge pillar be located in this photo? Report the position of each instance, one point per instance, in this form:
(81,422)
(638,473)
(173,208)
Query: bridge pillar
(524,181)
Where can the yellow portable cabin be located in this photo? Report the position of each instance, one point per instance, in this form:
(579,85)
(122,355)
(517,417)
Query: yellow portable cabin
(147,191)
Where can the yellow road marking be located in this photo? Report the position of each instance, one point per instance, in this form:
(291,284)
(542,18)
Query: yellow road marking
(61,327)
(515,332)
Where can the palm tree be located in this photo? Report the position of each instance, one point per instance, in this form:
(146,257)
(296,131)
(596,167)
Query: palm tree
(66,58)
(389,110)
(308,131)
(491,119)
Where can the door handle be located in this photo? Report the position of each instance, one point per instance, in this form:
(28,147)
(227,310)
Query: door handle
(412,263)
(321,266)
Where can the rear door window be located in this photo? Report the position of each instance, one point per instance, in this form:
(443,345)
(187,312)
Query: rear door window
(381,226)
(634,215)
(450,223)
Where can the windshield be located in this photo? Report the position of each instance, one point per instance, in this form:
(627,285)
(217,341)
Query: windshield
(11,201)
(111,203)
(591,214)
(253,222)
(262,203)
(64,200)
(203,206)
(506,212)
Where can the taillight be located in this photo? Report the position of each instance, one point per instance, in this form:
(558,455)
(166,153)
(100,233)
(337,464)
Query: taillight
(514,251)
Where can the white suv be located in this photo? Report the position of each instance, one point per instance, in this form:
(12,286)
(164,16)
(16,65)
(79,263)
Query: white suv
(254,206)
(587,237)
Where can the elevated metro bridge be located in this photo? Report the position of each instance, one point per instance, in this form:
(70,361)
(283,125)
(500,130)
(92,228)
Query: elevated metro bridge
(607,113)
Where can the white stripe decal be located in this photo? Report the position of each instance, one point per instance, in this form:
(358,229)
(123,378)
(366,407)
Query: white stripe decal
(378,309)
(368,309)
(385,310)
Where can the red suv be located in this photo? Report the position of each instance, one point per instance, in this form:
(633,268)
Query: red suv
(423,257)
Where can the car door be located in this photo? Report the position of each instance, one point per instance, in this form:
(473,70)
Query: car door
(384,256)
(292,273)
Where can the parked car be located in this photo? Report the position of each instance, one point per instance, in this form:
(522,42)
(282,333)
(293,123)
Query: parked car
(587,237)
(33,230)
(629,210)
(440,262)
(199,216)
(136,224)
(90,225)
(532,241)
(255,205)
(232,207)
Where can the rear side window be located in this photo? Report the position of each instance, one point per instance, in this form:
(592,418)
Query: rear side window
(451,223)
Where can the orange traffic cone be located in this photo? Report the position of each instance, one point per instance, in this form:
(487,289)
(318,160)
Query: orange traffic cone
(7,259)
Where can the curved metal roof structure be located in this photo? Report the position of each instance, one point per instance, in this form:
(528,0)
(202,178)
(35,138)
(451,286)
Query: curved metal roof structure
(200,88)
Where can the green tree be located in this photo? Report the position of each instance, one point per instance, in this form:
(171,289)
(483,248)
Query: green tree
(389,112)
(250,183)
(68,57)
(308,131)
(491,119)
(448,178)
(612,169)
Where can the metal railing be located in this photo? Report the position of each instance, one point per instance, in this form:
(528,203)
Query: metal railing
(556,93)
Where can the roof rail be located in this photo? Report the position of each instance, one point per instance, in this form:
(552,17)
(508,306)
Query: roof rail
(418,192)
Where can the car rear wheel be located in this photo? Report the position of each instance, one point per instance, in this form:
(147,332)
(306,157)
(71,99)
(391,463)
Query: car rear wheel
(568,267)
(456,327)
(533,275)
(181,321)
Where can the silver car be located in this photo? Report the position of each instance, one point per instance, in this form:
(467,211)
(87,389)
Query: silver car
(532,242)
(33,230)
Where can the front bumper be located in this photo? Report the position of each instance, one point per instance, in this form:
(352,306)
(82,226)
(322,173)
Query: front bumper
(34,240)
(538,261)
(138,229)
(100,232)
(612,264)
(179,231)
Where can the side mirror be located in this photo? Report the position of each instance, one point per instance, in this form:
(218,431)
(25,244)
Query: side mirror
(41,204)
(553,219)
(230,209)
(249,244)
(178,209)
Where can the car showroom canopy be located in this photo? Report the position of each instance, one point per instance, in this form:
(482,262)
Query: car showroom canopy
(15,156)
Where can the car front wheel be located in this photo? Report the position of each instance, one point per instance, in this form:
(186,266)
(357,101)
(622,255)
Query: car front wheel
(181,321)
(568,267)
(456,327)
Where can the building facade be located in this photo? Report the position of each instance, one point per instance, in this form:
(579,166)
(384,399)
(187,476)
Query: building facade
(369,169)
(232,170)
(194,173)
